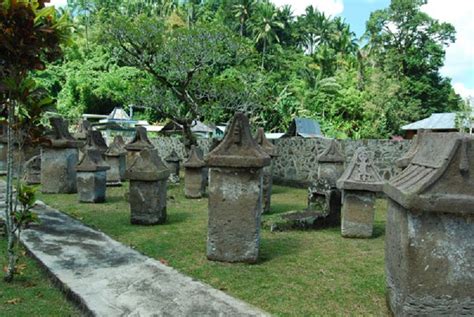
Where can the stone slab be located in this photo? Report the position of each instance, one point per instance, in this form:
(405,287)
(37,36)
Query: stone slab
(107,278)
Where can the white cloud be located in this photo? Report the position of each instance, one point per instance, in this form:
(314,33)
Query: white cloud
(459,63)
(463,91)
(329,7)
(57,3)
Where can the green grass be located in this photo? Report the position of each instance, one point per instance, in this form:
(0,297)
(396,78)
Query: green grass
(31,293)
(300,273)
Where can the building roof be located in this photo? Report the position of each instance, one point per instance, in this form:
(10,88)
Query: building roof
(118,114)
(437,121)
(304,127)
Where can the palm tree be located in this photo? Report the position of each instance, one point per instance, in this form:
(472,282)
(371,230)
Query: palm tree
(265,25)
(242,12)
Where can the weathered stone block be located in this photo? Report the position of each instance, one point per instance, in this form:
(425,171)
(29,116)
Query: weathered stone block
(147,202)
(234,214)
(194,183)
(358,212)
(359,183)
(429,243)
(235,195)
(58,170)
(271,150)
(91,176)
(91,186)
(147,198)
(116,171)
(428,261)
(32,174)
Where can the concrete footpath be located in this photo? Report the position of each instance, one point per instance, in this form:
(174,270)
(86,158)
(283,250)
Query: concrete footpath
(107,278)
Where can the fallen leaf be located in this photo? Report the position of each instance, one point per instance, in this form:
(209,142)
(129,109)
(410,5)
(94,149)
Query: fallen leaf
(13,301)
(163,261)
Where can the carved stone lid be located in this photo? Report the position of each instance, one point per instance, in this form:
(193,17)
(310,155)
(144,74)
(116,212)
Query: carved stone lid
(116,148)
(96,141)
(147,166)
(439,178)
(140,141)
(61,137)
(333,154)
(173,157)
(92,161)
(405,160)
(194,160)
(238,148)
(267,146)
(361,173)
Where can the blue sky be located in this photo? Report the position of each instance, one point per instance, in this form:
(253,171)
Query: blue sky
(459,64)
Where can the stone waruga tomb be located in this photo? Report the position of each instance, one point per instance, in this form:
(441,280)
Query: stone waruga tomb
(91,177)
(271,150)
(96,141)
(194,177)
(172,161)
(115,158)
(32,174)
(148,176)
(429,243)
(235,195)
(59,156)
(359,184)
(324,197)
(139,143)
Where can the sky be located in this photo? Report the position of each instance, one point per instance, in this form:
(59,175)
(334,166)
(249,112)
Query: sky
(459,63)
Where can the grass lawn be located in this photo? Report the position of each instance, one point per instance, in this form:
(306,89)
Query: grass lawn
(31,293)
(300,273)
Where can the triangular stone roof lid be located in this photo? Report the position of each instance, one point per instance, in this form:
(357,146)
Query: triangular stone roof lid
(117,147)
(61,137)
(140,141)
(95,140)
(238,148)
(361,173)
(92,161)
(84,126)
(266,145)
(172,157)
(440,176)
(332,154)
(405,160)
(147,166)
(194,160)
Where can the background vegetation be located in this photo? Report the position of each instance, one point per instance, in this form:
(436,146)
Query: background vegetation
(183,60)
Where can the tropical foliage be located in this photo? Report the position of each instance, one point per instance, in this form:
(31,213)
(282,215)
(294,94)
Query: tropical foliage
(182,60)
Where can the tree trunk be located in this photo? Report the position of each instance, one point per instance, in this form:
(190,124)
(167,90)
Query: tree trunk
(189,138)
(263,54)
(9,197)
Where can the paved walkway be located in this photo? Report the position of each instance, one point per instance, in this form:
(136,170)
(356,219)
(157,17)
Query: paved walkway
(108,278)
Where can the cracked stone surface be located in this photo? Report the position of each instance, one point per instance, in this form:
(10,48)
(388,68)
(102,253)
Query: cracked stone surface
(107,278)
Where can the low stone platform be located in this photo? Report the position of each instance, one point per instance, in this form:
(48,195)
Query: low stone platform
(107,278)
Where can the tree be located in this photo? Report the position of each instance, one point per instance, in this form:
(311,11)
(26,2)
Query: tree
(180,62)
(410,45)
(31,36)
(264,26)
(243,11)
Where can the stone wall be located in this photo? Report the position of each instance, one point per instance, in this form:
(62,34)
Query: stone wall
(297,164)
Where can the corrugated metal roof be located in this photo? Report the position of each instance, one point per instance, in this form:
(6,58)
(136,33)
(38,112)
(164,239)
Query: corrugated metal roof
(307,128)
(437,121)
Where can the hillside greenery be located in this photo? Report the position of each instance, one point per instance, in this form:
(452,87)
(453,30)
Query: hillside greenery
(182,60)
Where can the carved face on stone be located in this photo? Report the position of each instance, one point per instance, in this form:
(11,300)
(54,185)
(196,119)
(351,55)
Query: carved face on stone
(363,159)
(237,133)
